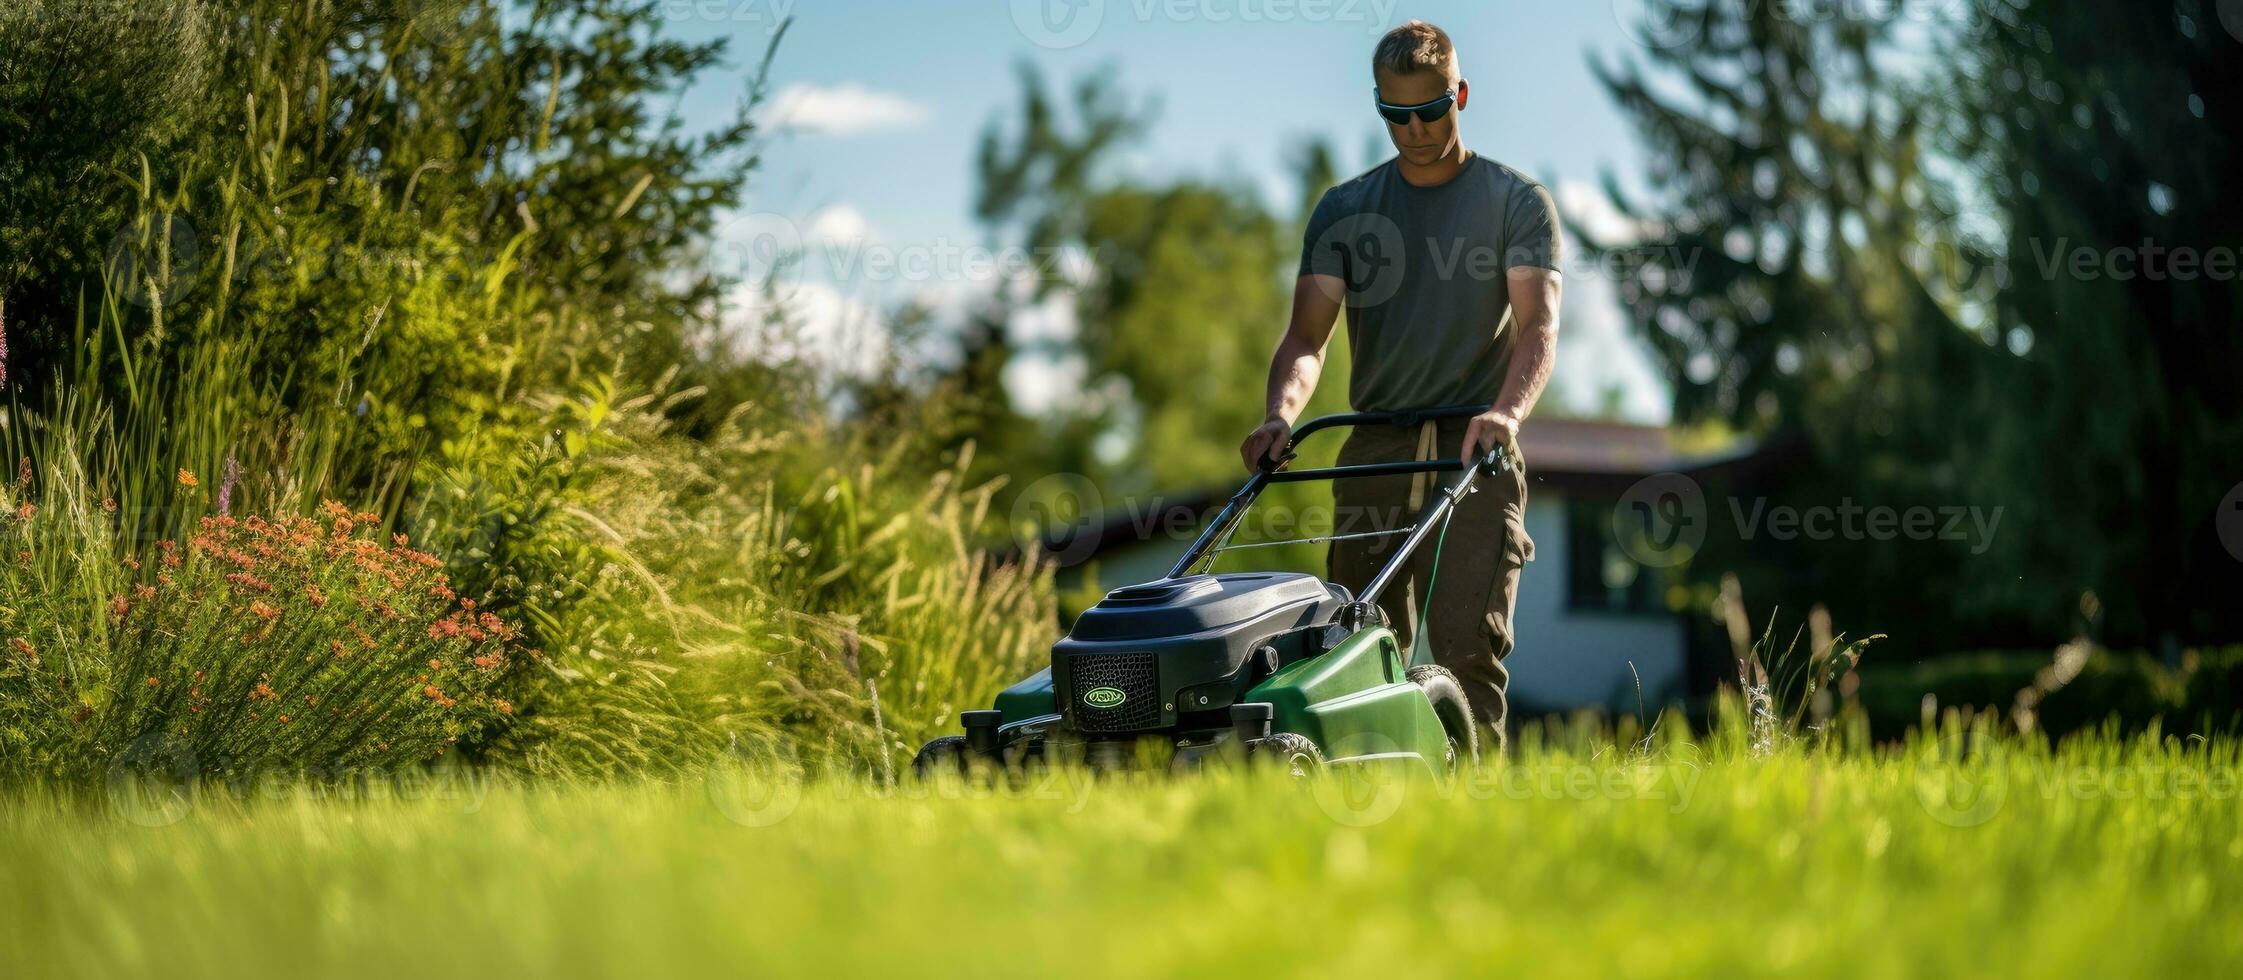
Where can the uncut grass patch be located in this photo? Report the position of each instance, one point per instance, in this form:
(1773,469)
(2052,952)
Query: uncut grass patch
(1696,859)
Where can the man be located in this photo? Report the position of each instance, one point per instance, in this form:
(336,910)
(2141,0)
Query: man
(1447,264)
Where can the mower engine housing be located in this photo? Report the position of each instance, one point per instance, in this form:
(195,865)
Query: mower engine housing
(1177,652)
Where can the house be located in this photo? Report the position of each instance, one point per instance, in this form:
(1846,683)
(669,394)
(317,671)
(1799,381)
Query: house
(1592,623)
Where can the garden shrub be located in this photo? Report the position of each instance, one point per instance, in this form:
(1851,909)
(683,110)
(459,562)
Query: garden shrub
(373,257)
(2132,689)
(770,589)
(296,645)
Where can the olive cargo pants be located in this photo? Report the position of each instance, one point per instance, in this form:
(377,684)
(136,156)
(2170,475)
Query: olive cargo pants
(1468,618)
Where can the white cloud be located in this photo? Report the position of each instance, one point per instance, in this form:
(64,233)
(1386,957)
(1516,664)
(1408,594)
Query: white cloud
(1039,385)
(835,332)
(847,109)
(831,312)
(1585,204)
(1044,376)
(1051,321)
(839,224)
(1596,349)
(1596,353)
(949,299)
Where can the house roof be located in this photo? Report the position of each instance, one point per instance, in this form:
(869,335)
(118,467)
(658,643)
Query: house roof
(1569,454)
(1581,447)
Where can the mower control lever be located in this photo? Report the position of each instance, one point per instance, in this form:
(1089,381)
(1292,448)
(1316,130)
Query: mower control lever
(1496,461)
(1271,464)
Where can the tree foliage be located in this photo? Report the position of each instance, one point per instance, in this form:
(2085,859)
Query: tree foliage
(1859,278)
(400,212)
(85,87)
(2107,148)
(1189,285)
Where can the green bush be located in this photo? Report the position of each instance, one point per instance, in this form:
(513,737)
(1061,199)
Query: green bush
(763,588)
(414,257)
(86,86)
(2132,690)
(2211,691)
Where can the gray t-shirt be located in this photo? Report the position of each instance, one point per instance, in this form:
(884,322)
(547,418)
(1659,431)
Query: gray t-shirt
(1428,299)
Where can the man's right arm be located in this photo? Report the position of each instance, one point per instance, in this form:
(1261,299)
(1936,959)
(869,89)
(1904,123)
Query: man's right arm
(1299,361)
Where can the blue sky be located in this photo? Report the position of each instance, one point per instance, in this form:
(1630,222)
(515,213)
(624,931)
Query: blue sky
(884,103)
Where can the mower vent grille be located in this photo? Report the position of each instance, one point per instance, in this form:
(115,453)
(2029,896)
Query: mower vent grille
(1133,674)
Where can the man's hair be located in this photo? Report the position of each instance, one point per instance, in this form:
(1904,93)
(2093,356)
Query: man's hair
(1416,46)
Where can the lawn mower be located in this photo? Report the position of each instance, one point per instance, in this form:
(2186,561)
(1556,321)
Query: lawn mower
(1278,667)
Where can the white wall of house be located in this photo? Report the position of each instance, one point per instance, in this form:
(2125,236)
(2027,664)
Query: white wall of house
(1570,658)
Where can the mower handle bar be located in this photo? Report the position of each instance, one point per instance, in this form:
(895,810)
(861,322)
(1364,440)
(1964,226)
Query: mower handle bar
(1405,419)
(1271,471)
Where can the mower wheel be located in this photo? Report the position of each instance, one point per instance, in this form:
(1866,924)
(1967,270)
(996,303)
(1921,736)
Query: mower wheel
(1454,710)
(946,754)
(1292,751)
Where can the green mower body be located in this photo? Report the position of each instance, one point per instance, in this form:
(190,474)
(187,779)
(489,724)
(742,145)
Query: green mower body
(1355,701)
(1270,663)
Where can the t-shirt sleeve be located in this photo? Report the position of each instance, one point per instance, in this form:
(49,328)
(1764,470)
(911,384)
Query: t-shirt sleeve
(1318,257)
(1530,230)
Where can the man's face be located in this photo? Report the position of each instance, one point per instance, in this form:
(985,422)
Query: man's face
(1417,141)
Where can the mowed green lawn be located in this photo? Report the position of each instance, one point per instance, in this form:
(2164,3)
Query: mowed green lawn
(2108,860)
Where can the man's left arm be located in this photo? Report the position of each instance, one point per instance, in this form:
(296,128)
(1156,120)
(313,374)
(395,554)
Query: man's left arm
(1531,279)
(1534,313)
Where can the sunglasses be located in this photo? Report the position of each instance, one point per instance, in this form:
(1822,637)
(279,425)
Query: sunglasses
(1399,115)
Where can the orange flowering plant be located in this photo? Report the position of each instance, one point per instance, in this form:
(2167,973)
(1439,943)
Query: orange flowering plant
(295,645)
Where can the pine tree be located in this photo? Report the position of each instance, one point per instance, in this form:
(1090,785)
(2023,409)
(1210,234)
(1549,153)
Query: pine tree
(1860,271)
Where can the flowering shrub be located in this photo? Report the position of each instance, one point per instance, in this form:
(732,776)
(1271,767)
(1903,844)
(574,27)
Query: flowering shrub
(295,645)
